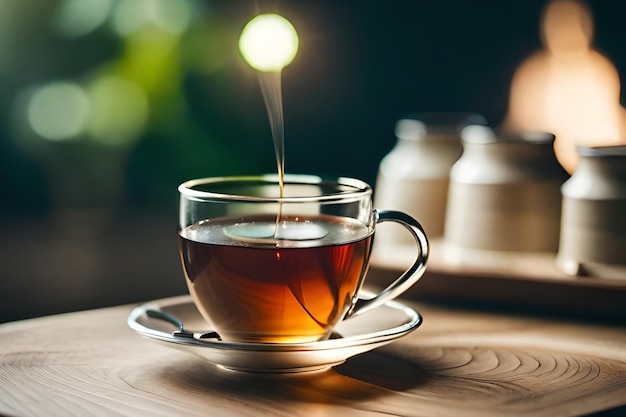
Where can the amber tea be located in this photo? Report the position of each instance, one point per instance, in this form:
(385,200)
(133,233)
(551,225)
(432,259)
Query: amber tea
(258,288)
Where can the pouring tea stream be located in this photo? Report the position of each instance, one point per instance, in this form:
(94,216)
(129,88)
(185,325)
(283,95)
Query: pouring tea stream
(269,43)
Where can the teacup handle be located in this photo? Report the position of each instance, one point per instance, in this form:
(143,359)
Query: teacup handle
(411,275)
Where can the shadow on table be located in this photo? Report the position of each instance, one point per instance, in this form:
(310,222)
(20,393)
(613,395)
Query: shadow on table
(362,378)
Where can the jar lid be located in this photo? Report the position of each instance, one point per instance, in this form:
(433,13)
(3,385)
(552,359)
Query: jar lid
(417,126)
(610,150)
(486,135)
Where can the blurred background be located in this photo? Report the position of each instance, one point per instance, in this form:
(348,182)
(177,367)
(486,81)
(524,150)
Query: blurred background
(107,105)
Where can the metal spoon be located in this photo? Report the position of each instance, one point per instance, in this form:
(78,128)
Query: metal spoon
(181,332)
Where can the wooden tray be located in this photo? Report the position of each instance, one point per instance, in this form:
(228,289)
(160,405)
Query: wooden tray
(528,280)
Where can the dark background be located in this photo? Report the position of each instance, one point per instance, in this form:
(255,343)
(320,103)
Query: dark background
(361,65)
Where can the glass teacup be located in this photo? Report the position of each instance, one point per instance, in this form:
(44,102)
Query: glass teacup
(262,267)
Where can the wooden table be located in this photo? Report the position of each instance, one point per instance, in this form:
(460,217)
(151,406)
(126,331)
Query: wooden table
(465,363)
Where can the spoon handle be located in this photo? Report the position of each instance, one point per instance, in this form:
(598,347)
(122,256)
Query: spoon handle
(161,315)
(181,332)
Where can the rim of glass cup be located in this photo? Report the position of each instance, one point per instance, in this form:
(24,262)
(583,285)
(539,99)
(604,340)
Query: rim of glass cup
(360,189)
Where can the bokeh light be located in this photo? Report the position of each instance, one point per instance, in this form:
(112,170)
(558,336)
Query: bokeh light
(75,18)
(269,43)
(568,88)
(120,111)
(172,16)
(58,111)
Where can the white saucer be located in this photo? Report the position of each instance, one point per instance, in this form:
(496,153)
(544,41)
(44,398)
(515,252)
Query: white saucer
(354,336)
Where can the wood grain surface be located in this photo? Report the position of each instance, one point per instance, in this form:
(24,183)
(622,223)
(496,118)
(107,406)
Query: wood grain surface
(468,363)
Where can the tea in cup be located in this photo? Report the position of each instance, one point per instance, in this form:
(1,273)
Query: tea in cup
(271,265)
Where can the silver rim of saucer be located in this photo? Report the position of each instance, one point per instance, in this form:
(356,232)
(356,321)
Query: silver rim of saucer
(359,334)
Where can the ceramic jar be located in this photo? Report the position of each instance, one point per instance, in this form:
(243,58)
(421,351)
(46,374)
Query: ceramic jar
(505,192)
(593,228)
(414,176)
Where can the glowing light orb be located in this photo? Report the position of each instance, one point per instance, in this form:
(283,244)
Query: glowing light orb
(268,43)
